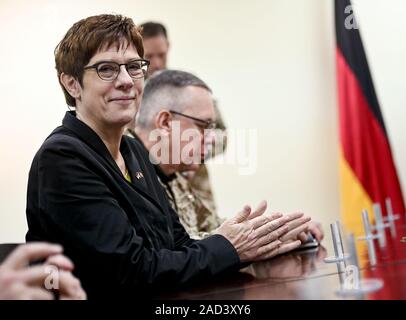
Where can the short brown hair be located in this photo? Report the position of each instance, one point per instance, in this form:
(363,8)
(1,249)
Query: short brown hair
(153,29)
(86,37)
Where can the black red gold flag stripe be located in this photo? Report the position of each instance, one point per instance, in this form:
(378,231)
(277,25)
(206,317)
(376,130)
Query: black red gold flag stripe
(367,170)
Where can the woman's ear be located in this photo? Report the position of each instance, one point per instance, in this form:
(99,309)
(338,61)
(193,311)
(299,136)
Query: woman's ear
(163,121)
(71,85)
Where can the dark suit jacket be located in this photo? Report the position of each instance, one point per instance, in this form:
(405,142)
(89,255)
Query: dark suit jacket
(124,238)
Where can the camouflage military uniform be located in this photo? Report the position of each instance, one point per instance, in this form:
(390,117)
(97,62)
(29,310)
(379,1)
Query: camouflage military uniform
(197,215)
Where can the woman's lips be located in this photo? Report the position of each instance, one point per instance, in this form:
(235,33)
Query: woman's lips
(123,100)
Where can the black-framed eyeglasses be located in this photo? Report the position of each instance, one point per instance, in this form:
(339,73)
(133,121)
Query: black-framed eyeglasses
(206,124)
(109,70)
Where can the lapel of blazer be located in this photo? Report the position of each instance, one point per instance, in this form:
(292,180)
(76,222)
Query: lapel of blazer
(85,133)
(154,172)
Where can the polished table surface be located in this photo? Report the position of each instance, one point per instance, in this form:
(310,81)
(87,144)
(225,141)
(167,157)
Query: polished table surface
(305,275)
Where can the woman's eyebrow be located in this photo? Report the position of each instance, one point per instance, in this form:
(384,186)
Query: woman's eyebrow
(115,60)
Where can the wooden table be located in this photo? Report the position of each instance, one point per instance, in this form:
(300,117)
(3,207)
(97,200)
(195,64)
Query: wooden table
(304,275)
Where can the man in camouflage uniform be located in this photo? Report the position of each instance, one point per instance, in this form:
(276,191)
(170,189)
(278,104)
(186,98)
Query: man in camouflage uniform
(169,97)
(190,195)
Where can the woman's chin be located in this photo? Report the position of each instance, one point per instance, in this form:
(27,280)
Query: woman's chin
(124,119)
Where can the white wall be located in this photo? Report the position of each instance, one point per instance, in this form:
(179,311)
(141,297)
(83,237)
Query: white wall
(269,62)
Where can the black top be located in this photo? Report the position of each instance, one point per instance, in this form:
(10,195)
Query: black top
(123,238)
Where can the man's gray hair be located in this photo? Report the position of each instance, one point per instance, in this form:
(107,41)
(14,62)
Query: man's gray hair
(164,90)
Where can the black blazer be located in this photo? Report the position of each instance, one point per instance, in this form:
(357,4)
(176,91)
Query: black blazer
(123,238)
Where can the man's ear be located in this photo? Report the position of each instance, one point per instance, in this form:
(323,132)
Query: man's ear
(71,85)
(163,121)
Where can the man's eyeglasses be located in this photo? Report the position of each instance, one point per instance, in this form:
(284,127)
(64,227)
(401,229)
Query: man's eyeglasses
(206,124)
(109,70)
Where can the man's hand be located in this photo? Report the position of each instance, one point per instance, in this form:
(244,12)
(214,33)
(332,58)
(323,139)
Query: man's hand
(256,236)
(69,286)
(316,230)
(20,281)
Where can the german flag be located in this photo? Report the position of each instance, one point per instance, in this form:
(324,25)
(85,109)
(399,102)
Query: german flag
(367,171)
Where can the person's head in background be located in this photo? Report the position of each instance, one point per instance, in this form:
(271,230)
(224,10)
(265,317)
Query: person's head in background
(178,108)
(156,45)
